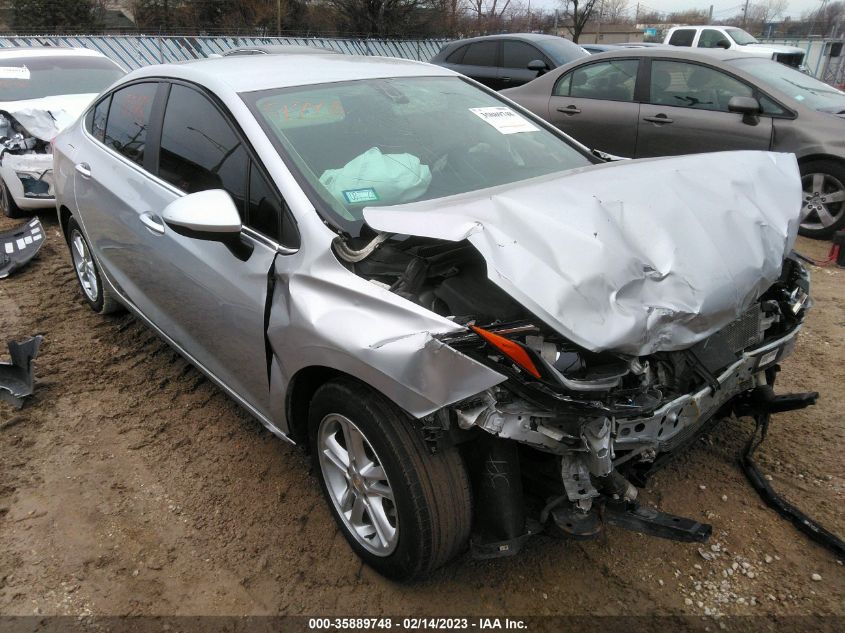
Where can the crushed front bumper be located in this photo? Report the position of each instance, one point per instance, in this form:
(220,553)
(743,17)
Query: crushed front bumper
(29,178)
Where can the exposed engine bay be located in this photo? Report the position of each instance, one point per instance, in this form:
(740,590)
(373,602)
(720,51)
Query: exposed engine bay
(27,160)
(584,424)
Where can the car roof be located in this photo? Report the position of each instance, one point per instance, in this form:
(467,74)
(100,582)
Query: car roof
(47,51)
(274,49)
(248,73)
(528,37)
(680,52)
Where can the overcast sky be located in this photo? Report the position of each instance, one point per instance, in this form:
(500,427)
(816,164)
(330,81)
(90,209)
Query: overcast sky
(721,8)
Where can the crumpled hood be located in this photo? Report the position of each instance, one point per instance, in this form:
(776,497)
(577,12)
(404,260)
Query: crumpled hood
(44,118)
(635,256)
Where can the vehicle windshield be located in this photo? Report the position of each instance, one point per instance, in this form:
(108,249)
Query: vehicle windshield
(741,37)
(392,141)
(805,89)
(561,50)
(37,77)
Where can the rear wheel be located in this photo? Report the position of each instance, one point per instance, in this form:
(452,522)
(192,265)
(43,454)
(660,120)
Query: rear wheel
(96,294)
(403,510)
(7,203)
(823,198)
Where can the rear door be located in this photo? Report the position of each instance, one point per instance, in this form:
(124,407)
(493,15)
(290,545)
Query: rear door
(481,62)
(595,104)
(516,56)
(211,297)
(687,112)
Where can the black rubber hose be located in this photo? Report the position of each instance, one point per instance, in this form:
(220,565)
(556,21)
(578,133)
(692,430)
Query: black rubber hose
(804,523)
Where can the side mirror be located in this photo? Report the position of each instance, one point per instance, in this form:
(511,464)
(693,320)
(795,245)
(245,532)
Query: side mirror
(538,66)
(744,105)
(723,44)
(205,215)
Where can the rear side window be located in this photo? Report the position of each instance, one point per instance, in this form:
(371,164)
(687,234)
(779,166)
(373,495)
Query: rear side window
(682,37)
(128,120)
(98,120)
(519,54)
(481,54)
(457,56)
(611,80)
(199,150)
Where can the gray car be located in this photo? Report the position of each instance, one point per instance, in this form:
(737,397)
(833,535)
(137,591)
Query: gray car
(505,61)
(659,102)
(479,330)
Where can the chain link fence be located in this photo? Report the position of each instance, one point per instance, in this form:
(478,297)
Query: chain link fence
(134,51)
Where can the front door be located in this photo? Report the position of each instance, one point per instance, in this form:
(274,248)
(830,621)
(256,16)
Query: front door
(687,113)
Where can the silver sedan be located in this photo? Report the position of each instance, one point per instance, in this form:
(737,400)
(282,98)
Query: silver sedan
(478,329)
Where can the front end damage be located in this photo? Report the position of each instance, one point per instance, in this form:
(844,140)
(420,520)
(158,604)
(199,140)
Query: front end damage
(599,390)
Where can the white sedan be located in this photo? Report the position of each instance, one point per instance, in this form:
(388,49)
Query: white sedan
(42,90)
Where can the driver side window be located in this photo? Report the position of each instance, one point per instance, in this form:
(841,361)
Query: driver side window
(686,85)
(710,38)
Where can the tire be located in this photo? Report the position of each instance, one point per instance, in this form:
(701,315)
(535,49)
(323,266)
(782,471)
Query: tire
(431,509)
(100,298)
(823,198)
(7,203)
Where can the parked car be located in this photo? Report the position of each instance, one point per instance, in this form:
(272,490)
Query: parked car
(504,61)
(395,267)
(279,49)
(734,39)
(595,49)
(660,102)
(41,91)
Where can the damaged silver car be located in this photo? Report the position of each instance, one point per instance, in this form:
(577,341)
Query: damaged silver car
(480,331)
(42,90)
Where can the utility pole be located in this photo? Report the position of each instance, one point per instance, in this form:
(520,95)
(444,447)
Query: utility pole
(710,16)
(637,14)
(745,14)
(278,18)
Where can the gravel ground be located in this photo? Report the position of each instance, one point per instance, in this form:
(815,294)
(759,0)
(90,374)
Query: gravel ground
(131,485)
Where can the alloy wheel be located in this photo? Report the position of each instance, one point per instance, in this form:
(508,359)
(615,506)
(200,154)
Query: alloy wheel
(823,201)
(357,484)
(84,265)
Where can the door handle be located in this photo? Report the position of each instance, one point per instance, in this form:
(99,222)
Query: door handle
(153,223)
(83,169)
(660,119)
(570,110)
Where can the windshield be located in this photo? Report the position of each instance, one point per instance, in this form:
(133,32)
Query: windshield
(741,37)
(803,88)
(391,141)
(36,77)
(561,50)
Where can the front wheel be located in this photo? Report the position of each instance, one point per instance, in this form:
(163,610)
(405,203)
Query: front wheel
(8,207)
(404,511)
(823,198)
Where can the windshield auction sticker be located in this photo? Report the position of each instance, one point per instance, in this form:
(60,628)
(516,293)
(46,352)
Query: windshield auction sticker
(504,119)
(14,72)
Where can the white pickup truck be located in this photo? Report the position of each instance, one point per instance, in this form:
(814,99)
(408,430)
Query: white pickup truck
(732,38)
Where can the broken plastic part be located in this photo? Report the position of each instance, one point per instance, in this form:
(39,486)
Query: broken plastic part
(19,246)
(16,379)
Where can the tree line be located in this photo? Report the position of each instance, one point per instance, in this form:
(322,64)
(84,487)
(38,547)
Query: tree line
(398,18)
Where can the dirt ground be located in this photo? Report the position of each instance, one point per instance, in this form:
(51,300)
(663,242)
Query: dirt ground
(129,484)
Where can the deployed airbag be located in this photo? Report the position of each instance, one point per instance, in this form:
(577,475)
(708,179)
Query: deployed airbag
(636,256)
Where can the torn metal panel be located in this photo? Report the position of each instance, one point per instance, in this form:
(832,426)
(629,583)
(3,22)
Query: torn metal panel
(324,316)
(636,257)
(34,171)
(44,118)
(16,378)
(20,245)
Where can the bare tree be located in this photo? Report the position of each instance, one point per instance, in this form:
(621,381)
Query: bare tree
(614,11)
(577,13)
